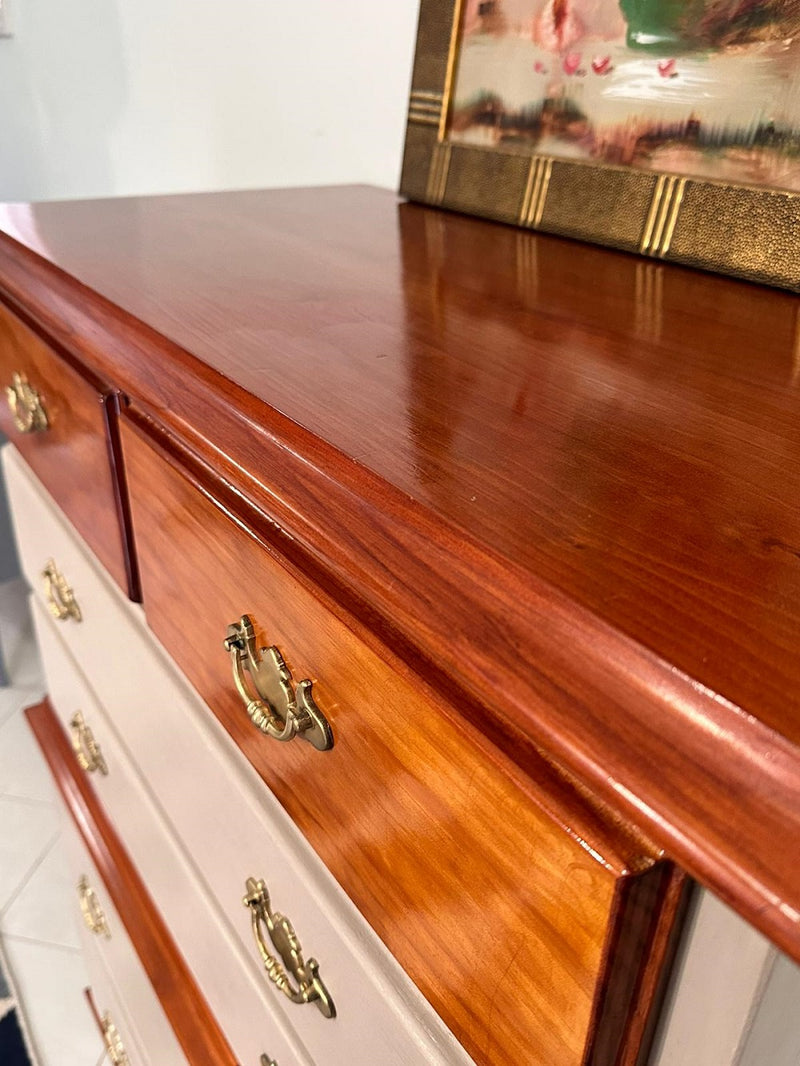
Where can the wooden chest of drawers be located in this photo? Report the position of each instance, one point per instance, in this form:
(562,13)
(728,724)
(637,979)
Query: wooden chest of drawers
(438,487)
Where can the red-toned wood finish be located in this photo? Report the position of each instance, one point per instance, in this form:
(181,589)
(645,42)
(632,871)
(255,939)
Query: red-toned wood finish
(448,854)
(184,1005)
(558,480)
(73,456)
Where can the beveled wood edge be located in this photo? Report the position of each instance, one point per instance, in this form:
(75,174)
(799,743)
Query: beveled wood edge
(95,1013)
(646,922)
(194,1025)
(111,411)
(679,892)
(627,725)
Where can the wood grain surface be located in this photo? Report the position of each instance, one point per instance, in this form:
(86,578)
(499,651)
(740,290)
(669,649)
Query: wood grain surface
(71,457)
(452,858)
(195,1027)
(558,480)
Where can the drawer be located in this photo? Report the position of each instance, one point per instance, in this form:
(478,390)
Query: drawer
(74,593)
(111,955)
(228,975)
(141,953)
(112,1022)
(71,452)
(528,933)
(220,810)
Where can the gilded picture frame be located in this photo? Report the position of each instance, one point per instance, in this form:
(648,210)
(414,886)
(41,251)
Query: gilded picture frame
(744,229)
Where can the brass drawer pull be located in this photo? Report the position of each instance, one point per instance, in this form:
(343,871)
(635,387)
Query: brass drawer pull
(310,988)
(276,709)
(92,911)
(87,750)
(26,405)
(113,1041)
(265,1060)
(61,600)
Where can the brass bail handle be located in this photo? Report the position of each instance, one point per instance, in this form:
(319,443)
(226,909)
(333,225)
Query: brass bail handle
(276,709)
(26,405)
(305,984)
(92,911)
(87,750)
(113,1041)
(60,598)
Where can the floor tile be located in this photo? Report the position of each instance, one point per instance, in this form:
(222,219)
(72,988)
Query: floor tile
(27,831)
(47,909)
(50,982)
(23,771)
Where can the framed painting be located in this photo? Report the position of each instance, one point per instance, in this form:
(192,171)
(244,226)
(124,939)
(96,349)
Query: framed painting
(665,127)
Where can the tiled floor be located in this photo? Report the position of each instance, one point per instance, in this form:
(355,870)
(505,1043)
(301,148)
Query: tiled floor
(37,915)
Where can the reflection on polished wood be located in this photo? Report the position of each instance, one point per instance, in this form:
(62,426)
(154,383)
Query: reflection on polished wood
(185,1007)
(452,857)
(70,456)
(546,472)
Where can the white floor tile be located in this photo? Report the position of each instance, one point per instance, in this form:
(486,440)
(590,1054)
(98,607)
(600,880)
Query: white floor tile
(27,831)
(50,982)
(47,909)
(23,771)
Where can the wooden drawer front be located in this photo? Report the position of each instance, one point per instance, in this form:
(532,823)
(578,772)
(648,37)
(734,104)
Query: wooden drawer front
(219,809)
(229,975)
(71,456)
(498,915)
(141,1016)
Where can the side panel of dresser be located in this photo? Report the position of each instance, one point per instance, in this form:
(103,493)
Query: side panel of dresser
(450,855)
(65,425)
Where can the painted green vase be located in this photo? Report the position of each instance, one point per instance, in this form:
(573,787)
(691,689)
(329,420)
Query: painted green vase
(662,26)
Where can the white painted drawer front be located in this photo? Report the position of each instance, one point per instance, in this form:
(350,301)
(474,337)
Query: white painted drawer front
(236,994)
(43,533)
(234,828)
(227,819)
(106,999)
(145,1020)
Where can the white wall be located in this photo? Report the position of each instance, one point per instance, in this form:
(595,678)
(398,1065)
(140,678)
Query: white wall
(118,97)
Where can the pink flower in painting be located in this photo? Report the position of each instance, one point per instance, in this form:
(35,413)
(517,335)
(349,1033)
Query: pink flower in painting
(571,62)
(471,16)
(557,26)
(602,65)
(666,68)
(539,67)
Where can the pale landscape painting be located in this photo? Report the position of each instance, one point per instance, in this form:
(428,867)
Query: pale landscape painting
(707,88)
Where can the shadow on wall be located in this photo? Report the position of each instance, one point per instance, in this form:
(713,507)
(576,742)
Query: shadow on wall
(63,86)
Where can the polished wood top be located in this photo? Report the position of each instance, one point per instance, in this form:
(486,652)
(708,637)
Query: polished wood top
(593,460)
